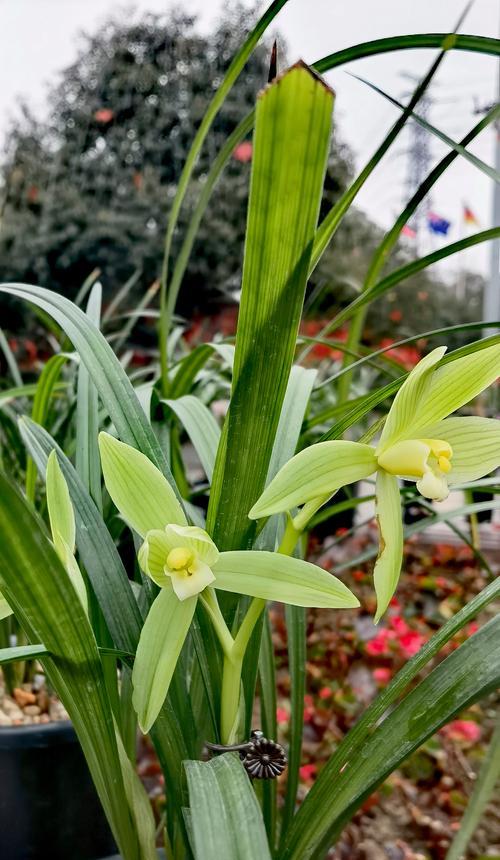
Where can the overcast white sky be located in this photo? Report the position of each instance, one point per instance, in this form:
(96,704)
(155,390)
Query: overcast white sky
(38,39)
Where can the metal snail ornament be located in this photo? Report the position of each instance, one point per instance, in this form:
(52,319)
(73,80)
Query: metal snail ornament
(262,758)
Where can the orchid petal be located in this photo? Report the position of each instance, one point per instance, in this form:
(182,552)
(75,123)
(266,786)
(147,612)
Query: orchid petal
(139,490)
(188,585)
(455,384)
(316,471)
(5,609)
(60,508)
(402,412)
(388,564)
(475,443)
(152,556)
(272,576)
(194,538)
(160,644)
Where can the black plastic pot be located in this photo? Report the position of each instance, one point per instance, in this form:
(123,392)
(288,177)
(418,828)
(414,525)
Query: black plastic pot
(49,809)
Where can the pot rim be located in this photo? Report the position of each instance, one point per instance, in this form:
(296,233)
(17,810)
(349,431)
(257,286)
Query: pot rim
(37,735)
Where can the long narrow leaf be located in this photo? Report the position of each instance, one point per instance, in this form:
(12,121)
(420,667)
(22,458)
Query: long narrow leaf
(87,415)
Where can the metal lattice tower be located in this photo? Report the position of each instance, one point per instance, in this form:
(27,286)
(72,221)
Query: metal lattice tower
(419,161)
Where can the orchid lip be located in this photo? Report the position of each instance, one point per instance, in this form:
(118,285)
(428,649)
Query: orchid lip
(426,460)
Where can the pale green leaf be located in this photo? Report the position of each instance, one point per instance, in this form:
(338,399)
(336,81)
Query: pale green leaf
(407,402)
(162,638)
(456,383)
(60,508)
(139,490)
(225,815)
(5,609)
(389,518)
(139,803)
(201,427)
(272,576)
(316,471)
(475,443)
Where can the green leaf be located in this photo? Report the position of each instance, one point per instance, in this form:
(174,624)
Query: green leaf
(482,794)
(5,609)
(389,519)
(226,818)
(267,697)
(87,415)
(162,638)
(46,605)
(461,679)
(296,627)
(469,156)
(292,130)
(201,427)
(317,471)
(140,492)
(114,387)
(22,652)
(45,387)
(272,576)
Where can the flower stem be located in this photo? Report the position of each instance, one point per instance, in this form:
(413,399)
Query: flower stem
(211,605)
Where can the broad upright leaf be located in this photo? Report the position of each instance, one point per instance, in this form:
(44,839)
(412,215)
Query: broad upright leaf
(87,418)
(225,817)
(292,130)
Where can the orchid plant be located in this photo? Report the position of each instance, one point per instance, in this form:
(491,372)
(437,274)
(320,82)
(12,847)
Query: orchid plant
(176,636)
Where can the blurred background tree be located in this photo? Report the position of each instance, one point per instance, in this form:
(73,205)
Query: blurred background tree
(91,186)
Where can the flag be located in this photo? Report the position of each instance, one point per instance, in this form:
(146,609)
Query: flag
(469,217)
(408,232)
(437,224)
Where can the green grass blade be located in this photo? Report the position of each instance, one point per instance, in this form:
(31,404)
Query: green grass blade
(225,816)
(490,172)
(114,387)
(461,679)
(201,427)
(87,460)
(22,652)
(291,140)
(7,395)
(49,610)
(267,677)
(45,387)
(487,779)
(11,360)
(399,275)
(296,623)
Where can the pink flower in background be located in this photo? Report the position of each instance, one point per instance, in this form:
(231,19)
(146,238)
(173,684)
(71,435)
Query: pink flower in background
(382,675)
(307,772)
(325,693)
(282,715)
(462,730)
(410,643)
(243,152)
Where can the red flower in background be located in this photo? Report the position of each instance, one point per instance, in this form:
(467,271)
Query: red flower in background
(396,315)
(243,152)
(462,730)
(104,115)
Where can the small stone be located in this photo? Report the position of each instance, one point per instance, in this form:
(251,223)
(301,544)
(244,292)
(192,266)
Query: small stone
(44,718)
(43,700)
(24,697)
(12,709)
(5,720)
(32,711)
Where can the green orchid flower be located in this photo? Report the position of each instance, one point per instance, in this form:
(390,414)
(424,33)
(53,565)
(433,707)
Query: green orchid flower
(419,443)
(185,563)
(62,524)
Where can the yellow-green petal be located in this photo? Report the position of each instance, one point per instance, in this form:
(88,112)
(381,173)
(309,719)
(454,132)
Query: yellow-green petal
(317,471)
(457,383)
(139,490)
(5,609)
(476,446)
(403,411)
(160,644)
(194,538)
(272,576)
(388,564)
(60,508)
(152,556)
